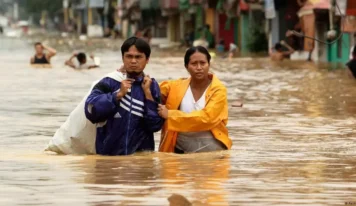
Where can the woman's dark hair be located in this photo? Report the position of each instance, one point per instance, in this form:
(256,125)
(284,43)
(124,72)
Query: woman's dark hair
(192,50)
(140,44)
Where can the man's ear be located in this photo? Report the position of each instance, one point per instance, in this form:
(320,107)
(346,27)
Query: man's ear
(147,60)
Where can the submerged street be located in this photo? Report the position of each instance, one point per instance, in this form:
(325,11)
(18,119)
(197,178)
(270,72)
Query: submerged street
(294,139)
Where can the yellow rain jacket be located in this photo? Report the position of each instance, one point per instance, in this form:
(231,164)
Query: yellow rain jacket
(213,117)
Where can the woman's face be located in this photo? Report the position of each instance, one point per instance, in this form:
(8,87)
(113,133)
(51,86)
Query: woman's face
(198,66)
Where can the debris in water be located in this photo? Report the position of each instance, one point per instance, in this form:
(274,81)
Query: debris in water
(178,200)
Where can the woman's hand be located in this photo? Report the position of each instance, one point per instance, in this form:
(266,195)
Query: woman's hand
(162,111)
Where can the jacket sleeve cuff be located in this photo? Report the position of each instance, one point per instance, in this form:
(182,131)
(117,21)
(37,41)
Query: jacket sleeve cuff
(151,107)
(114,98)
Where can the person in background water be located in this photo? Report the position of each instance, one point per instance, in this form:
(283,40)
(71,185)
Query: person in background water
(279,54)
(351,65)
(233,49)
(126,112)
(196,108)
(220,48)
(82,59)
(147,35)
(138,34)
(40,57)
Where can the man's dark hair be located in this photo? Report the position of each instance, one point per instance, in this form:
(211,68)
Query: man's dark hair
(354,51)
(38,43)
(81,57)
(140,44)
(192,50)
(278,46)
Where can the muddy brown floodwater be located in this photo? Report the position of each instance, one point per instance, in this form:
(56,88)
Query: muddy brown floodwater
(294,139)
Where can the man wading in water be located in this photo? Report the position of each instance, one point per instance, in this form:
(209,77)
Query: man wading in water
(279,54)
(41,58)
(126,111)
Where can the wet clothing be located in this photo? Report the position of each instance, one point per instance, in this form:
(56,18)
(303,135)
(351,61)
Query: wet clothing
(213,117)
(352,66)
(42,60)
(196,141)
(127,125)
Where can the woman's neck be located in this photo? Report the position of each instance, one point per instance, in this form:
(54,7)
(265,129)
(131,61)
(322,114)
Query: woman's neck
(200,84)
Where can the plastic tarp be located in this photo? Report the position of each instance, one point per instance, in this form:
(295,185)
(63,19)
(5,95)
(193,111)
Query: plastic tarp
(77,135)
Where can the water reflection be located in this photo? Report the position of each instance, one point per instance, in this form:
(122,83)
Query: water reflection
(203,175)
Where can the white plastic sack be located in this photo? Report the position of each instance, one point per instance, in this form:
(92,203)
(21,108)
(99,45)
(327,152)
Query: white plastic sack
(77,135)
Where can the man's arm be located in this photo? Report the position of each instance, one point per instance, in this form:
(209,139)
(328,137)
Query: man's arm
(94,65)
(290,49)
(51,52)
(102,102)
(69,62)
(301,3)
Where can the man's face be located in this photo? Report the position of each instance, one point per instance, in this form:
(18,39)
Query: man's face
(39,49)
(134,61)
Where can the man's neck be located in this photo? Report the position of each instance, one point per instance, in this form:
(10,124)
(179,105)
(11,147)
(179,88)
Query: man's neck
(135,76)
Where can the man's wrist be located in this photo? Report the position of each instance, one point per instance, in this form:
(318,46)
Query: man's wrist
(147,91)
(119,96)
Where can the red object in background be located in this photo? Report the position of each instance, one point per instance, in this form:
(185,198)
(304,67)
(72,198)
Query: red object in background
(351,8)
(243,5)
(226,35)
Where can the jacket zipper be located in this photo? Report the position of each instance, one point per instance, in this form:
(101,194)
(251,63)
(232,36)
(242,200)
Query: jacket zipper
(128,125)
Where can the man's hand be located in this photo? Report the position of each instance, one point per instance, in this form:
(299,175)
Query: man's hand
(146,86)
(146,83)
(283,42)
(125,86)
(162,111)
(289,33)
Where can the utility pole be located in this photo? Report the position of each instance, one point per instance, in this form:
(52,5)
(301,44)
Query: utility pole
(65,9)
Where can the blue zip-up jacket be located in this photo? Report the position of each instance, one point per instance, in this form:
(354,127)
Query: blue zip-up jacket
(125,126)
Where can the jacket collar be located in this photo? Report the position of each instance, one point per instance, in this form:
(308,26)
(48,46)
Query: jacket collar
(183,87)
